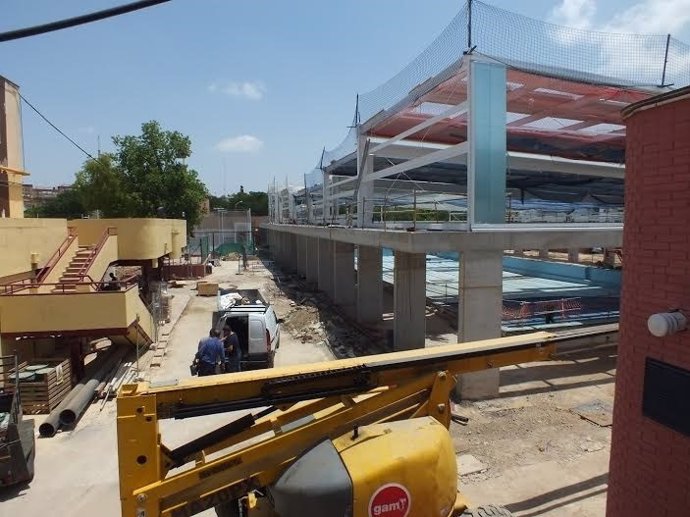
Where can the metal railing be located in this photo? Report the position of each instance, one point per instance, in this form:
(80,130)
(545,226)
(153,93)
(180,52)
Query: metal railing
(66,287)
(111,230)
(59,253)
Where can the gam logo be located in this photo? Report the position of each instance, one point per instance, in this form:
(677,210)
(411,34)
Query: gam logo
(390,500)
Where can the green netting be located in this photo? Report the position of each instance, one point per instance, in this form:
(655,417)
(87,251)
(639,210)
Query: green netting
(204,246)
(229,247)
(226,248)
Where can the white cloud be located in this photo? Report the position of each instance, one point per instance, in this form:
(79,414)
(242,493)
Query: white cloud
(644,17)
(239,144)
(652,17)
(574,13)
(615,55)
(252,90)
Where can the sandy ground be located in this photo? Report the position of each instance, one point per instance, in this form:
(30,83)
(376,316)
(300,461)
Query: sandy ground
(535,455)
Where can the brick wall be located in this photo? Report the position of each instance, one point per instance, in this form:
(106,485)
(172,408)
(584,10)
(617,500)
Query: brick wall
(650,464)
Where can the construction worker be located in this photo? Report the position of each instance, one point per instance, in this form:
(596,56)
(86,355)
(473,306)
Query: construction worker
(233,352)
(209,354)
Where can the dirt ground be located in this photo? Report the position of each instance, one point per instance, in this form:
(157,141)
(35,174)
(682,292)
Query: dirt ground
(527,449)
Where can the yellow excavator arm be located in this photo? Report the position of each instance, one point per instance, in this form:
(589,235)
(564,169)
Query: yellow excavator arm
(288,411)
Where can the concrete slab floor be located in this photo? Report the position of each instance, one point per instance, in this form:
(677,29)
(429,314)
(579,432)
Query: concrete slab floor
(540,458)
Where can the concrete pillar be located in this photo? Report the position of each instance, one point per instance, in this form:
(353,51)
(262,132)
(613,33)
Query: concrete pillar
(574,255)
(325,274)
(409,325)
(369,284)
(275,244)
(301,255)
(480,298)
(312,259)
(544,254)
(291,252)
(281,248)
(270,234)
(344,275)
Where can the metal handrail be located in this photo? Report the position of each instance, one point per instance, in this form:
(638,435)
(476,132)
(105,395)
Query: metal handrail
(111,230)
(127,282)
(55,258)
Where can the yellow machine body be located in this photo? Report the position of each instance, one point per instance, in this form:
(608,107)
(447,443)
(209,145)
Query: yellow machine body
(412,460)
(380,420)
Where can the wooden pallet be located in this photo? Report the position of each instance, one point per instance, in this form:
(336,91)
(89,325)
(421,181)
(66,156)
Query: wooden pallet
(43,394)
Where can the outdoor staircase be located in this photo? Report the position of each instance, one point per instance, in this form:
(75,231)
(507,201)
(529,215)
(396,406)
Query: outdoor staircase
(71,277)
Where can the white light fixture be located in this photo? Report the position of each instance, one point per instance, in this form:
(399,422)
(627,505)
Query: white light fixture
(666,323)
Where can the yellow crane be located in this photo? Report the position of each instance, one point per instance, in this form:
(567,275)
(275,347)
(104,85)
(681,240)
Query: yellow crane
(364,437)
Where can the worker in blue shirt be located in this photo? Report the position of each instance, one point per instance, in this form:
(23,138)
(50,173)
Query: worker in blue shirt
(210,353)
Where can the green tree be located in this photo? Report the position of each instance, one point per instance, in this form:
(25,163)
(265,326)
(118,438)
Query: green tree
(256,201)
(146,176)
(102,187)
(65,205)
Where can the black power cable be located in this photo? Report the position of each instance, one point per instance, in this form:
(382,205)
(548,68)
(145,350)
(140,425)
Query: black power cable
(78,20)
(75,144)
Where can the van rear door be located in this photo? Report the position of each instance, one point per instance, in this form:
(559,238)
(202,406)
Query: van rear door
(257,335)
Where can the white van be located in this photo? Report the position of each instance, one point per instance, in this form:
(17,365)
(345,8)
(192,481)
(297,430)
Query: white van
(255,323)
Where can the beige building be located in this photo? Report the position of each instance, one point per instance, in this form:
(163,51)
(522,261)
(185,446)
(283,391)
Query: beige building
(11,151)
(55,287)
(56,294)
(36,196)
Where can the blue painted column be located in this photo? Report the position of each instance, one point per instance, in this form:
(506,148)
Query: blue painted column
(486,180)
(480,279)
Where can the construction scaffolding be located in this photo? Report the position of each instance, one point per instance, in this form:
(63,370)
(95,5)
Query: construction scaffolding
(501,120)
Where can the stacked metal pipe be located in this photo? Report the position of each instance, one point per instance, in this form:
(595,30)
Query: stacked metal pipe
(76,402)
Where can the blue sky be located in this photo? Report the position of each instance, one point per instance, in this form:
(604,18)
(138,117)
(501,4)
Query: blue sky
(260,87)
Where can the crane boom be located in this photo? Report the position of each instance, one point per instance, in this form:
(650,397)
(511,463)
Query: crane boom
(295,407)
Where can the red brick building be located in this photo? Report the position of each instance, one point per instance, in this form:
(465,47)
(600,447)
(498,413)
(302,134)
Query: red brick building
(650,452)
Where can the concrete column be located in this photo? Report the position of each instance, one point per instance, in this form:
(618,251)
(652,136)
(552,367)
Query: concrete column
(544,254)
(409,325)
(344,275)
(369,284)
(270,235)
(325,279)
(279,250)
(574,255)
(312,259)
(300,242)
(480,297)
(282,251)
(291,251)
